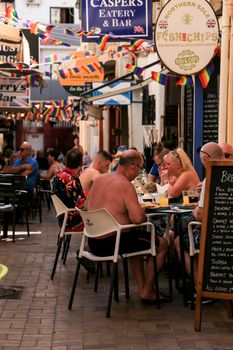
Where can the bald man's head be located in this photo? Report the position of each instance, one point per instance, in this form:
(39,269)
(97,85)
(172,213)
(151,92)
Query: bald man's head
(227,149)
(130,157)
(213,149)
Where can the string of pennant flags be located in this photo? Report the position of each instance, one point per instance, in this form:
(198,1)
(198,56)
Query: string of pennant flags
(11,16)
(204,76)
(62,110)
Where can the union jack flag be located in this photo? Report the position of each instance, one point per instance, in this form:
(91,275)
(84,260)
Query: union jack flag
(163,24)
(211,23)
(138,29)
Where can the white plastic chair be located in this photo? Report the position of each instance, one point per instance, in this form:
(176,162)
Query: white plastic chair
(192,252)
(99,223)
(62,209)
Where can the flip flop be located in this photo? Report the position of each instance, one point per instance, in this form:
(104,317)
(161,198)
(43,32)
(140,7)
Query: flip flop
(163,299)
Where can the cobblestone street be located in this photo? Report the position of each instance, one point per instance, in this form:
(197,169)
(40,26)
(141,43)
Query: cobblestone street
(41,320)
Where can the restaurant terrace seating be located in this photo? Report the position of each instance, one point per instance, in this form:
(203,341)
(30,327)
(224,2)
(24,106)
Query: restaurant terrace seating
(13,196)
(99,223)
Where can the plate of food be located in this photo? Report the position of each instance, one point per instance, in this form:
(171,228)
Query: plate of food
(150,205)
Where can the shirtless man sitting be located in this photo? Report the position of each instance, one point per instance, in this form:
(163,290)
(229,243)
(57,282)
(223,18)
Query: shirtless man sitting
(100,165)
(115,192)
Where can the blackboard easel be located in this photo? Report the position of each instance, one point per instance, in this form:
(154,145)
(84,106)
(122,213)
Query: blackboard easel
(215,267)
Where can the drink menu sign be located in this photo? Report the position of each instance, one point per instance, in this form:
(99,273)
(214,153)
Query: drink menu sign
(124,18)
(215,268)
(187,33)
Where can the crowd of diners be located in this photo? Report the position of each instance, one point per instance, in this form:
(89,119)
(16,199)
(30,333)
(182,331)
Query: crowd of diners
(106,181)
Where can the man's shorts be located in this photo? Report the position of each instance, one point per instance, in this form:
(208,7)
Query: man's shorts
(131,241)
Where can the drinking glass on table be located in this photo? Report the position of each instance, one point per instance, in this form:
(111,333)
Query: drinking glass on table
(193,196)
(190,196)
(163,199)
(185,197)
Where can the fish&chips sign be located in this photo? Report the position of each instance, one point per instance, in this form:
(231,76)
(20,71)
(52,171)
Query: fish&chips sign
(124,18)
(187,33)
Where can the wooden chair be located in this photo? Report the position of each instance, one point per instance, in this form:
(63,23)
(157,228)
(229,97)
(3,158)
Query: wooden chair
(64,235)
(99,223)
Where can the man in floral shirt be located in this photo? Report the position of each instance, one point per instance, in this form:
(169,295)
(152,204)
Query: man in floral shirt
(67,187)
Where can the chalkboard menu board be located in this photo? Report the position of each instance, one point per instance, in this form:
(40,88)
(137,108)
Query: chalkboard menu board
(215,268)
(218,268)
(210,116)
(188,122)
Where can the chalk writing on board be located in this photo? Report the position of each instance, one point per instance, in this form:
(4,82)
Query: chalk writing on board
(189,122)
(218,270)
(210,117)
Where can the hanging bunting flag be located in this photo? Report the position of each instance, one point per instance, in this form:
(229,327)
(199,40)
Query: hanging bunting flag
(51,58)
(188,81)
(49,28)
(19,66)
(218,50)
(205,74)
(98,66)
(68,32)
(11,14)
(72,71)
(136,70)
(34,27)
(102,41)
(61,74)
(88,68)
(159,77)
(136,44)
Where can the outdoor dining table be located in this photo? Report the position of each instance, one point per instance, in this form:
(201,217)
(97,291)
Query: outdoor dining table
(176,212)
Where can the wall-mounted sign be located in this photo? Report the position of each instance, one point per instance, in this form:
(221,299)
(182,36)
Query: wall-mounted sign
(8,52)
(116,100)
(14,94)
(124,18)
(187,33)
(77,90)
(88,70)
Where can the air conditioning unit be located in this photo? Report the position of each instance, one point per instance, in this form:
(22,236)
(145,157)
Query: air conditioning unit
(33,2)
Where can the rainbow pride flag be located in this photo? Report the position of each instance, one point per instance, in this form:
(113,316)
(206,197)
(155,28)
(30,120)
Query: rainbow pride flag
(136,44)
(51,58)
(11,14)
(60,73)
(102,41)
(205,74)
(133,69)
(184,81)
(159,77)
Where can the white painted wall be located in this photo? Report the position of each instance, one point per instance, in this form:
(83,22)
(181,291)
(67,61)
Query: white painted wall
(40,12)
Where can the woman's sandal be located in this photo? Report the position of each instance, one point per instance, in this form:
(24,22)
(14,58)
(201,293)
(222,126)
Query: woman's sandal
(162,299)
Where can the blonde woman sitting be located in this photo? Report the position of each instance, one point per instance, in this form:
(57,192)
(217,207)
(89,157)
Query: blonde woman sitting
(178,173)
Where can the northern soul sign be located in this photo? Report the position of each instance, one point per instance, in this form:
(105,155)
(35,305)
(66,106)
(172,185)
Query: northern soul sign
(186,35)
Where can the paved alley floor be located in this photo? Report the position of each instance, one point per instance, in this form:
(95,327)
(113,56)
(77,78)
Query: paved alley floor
(40,318)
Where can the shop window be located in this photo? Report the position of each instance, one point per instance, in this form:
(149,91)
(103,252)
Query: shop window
(61,15)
